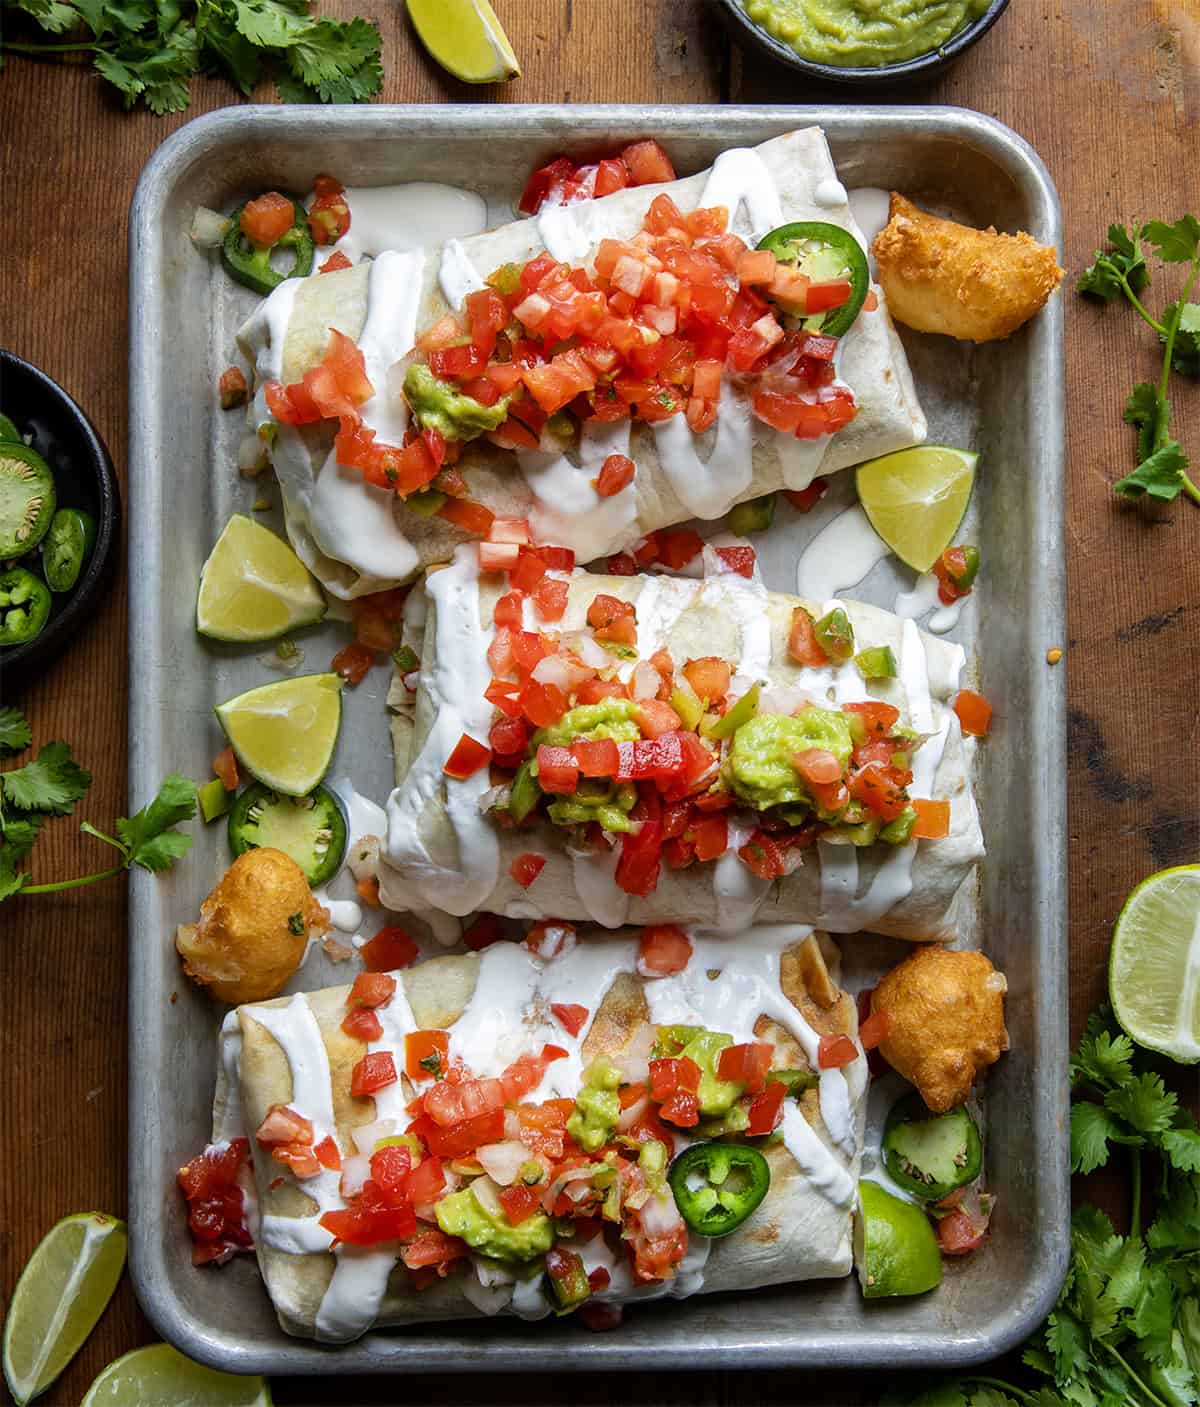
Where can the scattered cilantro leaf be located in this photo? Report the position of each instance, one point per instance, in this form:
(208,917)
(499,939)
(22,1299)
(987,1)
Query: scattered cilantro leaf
(15,734)
(1144,409)
(1175,244)
(1185,357)
(52,783)
(1103,1058)
(1182,1147)
(1162,475)
(1122,265)
(1092,1127)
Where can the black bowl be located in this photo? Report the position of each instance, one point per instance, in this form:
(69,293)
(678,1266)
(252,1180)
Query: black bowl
(922,66)
(83,478)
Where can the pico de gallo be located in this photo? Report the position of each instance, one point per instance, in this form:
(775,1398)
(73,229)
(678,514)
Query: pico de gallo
(661,1138)
(563,182)
(649,333)
(658,758)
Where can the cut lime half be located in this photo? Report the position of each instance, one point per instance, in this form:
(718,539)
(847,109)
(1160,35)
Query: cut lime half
(284,734)
(63,1290)
(254,587)
(159,1375)
(1154,966)
(916,499)
(466,38)
(895,1249)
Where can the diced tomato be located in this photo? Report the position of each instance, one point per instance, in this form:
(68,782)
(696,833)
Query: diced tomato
(508,740)
(681,1109)
(543,1126)
(362,1024)
(874,1030)
(595,757)
(266,220)
(605,610)
(429,1046)
(504,694)
(648,164)
(367,889)
(708,676)
(216,1216)
(594,690)
(638,867)
(371,989)
(335,263)
(558,771)
(373,1072)
(762,856)
(746,1064)
(616,473)
(282,1125)
(677,547)
(526,868)
(352,662)
(390,949)
(467,758)
(958,1234)
(498,556)
(824,296)
(803,646)
(877,790)
(538,187)
(933,820)
(738,559)
(486,930)
(655,718)
(550,598)
(622,564)
(463,1137)
(670,1075)
(756,266)
(663,950)
(527,1072)
(328,1154)
(507,612)
(369,1225)
(711,836)
(425,1181)
(835,1051)
(765,1108)
(819,765)
(570,1016)
(519,1202)
(471,517)
(878,718)
(974,713)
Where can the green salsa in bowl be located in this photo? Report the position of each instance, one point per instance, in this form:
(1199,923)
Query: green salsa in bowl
(864,41)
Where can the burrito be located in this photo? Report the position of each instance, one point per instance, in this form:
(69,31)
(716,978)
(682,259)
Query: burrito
(359,536)
(674,749)
(526,1131)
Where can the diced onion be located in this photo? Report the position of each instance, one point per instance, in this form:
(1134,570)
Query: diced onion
(363,856)
(209,228)
(663,320)
(494,796)
(355,1171)
(512,1124)
(660,1215)
(487,1194)
(633,1062)
(584,644)
(251,456)
(629,275)
(628,1117)
(646,680)
(532,310)
(368,1135)
(503,1161)
(553,669)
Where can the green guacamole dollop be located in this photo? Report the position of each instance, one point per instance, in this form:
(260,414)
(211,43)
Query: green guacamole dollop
(863,33)
(460,1214)
(610,718)
(759,764)
(437,405)
(597,1107)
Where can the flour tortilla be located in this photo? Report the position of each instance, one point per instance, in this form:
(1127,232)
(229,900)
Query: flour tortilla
(872,362)
(796,1234)
(933,910)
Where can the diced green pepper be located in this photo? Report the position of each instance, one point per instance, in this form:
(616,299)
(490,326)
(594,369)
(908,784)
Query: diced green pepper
(794,1081)
(963,579)
(524,794)
(877,663)
(897,832)
(425,502)
(404,657)
(742,712)
(566,1279)
(756,516)
(687,703)
(214,800)
(835,635)
(861,833)
(506,279)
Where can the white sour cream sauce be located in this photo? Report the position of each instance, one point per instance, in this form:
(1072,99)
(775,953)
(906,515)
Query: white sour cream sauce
(408,216)
(923,597)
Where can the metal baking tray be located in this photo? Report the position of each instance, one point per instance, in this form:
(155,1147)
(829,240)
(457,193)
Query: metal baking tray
(1004,398)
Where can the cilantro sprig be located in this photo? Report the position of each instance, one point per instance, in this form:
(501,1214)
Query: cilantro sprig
(1126,1329)
(50,785)
(150,49)
(1121,271)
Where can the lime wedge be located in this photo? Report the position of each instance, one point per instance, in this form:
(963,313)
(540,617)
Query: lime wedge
(895,1249)
(284,734)
(1154,966)
(466,38)
(159,1374)
(254,587)
(63,1290)
(916,499)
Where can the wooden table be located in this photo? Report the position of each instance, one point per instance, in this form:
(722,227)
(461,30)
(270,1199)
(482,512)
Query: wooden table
(1113,110)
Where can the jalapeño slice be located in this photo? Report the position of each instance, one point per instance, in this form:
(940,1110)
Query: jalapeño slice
(24,606)
(717,1185)
(825,253)
(67,546)
(250,263)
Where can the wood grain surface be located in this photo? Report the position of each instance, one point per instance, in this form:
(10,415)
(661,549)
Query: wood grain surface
(1110,97)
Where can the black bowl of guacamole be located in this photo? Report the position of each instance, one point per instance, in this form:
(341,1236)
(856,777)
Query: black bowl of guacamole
(863,41)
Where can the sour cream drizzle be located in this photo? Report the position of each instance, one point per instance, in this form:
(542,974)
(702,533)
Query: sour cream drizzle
(924,595)
(408,216)
(567,509)
(454,675)
(840,555)
(709,488)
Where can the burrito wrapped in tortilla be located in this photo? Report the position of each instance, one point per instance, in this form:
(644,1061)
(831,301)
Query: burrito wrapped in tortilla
(537,1174)
(686,750)
(359,537)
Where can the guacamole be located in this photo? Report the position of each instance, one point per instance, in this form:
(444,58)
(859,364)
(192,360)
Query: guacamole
(715,1096)
(863,33)
(460,1214)
(437,405)
(597,1108)
(759,765)
(610,718)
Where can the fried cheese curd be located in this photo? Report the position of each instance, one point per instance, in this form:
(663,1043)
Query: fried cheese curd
(974,285)
(253,929)
(945,1021)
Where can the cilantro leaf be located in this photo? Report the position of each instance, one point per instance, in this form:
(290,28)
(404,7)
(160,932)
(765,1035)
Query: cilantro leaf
(1147,411)
(1182,1147)
(1160,476)
(52,783)
(1175,244)
(339,61)
(1103,1058)
(224,46)
(272,24)
(15,733)
(146,835)
(19,834)
(1185,358)
(1144,1103)
(54,17)
(1092,1127)
(12,880)
(1123,264)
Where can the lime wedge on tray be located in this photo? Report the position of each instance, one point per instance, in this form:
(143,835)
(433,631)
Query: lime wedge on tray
(895,1249)
(63,1290)
(916,499)
(1154,966)
(284,734)
(466,38)
(160,1375)
(254,587)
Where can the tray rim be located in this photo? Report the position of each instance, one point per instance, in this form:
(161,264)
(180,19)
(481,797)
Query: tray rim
(1048,887)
